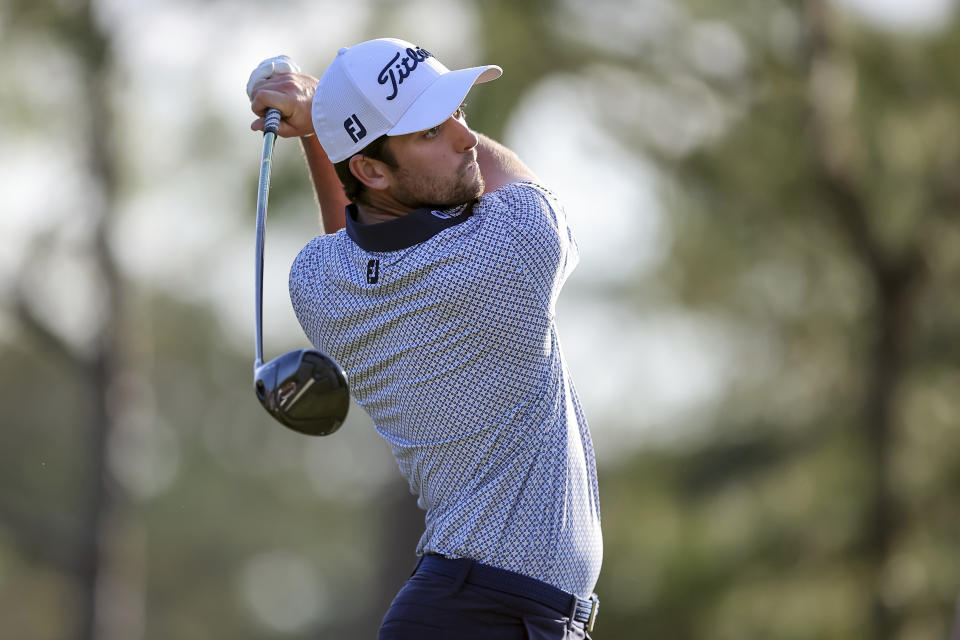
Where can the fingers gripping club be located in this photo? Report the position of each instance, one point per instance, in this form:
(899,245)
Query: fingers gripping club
(272,122)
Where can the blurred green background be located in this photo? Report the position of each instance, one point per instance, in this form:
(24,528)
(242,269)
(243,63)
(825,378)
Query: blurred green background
(763,329)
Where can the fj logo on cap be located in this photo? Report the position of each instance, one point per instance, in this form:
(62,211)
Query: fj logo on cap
(397,70)
(355,128)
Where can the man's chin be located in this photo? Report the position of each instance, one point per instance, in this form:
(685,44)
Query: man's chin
(478,188)
(461,198)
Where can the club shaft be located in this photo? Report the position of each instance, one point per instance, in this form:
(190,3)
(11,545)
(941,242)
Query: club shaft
(263,192)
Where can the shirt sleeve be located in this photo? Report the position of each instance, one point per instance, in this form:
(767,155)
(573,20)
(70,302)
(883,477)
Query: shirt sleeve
(537,224)
(306,286)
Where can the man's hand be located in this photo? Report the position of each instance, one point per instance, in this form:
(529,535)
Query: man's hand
(278,83)
(269,67)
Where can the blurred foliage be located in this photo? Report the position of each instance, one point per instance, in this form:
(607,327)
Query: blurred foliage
(809,166)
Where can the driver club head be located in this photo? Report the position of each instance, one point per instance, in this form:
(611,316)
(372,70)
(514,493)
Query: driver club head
(303,390)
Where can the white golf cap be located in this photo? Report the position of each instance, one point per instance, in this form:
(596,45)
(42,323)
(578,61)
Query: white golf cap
(386,87)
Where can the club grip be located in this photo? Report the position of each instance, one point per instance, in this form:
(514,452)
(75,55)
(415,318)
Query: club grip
(272,122)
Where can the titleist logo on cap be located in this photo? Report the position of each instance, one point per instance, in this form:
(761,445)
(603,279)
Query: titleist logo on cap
(399,69)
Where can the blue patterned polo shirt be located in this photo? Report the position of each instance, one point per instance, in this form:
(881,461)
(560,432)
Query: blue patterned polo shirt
(444,325)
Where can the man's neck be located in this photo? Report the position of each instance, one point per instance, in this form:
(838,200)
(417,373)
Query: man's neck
(372,214)
(381,206)
(380,209)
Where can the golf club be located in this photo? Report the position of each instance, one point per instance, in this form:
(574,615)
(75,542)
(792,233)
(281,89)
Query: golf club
(304,389)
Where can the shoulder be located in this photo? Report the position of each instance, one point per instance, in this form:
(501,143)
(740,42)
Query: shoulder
(526,205)
(522,199)
(313,257)
(518,191)
(533,220)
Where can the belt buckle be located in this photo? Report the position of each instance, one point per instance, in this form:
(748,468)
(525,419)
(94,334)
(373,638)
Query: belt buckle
(594,608)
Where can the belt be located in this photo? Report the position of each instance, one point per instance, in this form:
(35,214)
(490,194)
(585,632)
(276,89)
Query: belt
(482,575)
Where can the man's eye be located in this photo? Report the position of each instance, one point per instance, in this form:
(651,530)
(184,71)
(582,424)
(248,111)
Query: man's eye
(432,133)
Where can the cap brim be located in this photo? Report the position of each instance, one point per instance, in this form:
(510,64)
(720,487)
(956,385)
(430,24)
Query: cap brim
(442,98)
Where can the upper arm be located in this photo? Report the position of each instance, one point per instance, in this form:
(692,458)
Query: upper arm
(499,165)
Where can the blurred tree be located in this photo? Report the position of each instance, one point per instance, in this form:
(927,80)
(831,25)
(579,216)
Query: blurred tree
(894,274)
(95,365)
(813,170)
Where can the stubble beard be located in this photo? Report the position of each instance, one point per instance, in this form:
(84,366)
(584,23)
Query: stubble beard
(430,191)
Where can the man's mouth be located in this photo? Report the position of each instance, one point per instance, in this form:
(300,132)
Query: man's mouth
(470,164)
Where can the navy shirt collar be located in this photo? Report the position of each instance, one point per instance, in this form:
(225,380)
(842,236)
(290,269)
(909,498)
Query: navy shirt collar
(401,233)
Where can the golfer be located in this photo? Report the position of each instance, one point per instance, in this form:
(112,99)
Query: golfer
(434,288)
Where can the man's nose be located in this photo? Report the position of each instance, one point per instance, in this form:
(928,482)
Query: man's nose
(464,137)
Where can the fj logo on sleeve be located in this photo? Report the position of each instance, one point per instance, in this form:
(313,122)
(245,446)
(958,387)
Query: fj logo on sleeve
(373,271)
(355,128)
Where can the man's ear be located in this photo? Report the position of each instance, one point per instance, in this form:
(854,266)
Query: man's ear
(372,173)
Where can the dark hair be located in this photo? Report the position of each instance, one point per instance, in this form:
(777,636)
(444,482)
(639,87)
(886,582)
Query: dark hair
(377,150)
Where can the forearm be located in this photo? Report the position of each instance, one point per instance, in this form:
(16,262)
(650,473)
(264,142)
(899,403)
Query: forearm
(499,165)
(326,184)
(292,93)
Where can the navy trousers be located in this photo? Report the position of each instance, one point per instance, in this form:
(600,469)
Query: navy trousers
(441,602)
